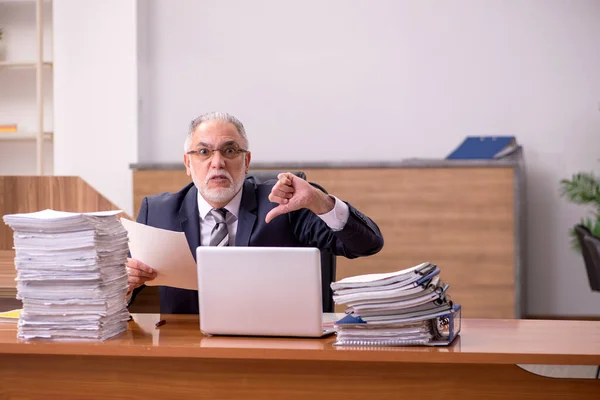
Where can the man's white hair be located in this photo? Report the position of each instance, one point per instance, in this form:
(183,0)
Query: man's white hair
(215,116)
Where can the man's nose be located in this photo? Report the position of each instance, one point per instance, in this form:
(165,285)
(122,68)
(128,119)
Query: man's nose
(217,160)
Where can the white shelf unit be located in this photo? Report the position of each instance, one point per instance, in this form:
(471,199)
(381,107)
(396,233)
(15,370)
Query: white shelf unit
(31,126)
(20,137)
(23,64)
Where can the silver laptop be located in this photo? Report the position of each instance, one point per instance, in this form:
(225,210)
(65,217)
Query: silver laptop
(260,291)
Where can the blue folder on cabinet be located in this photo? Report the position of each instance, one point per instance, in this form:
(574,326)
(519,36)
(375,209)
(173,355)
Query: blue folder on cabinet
(484,147)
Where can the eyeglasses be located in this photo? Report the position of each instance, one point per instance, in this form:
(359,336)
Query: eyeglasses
(229,152)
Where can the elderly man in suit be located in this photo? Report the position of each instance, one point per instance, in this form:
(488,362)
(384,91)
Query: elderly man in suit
(222,207)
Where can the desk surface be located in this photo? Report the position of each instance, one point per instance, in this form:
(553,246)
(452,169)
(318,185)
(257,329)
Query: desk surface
(490,341)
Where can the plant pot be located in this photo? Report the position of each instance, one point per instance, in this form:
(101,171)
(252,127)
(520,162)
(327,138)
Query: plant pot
(590,248)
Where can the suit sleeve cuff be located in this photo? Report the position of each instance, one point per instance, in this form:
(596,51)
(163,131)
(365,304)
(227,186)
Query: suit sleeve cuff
(336,218)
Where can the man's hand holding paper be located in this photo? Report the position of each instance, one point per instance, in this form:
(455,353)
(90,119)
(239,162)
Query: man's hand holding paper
(138,274)
(159,258)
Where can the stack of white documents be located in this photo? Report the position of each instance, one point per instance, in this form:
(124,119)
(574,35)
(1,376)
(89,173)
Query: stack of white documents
(71,274)
(407,307)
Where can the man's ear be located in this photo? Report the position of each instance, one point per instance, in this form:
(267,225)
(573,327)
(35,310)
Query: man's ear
(186,162)
(248,158)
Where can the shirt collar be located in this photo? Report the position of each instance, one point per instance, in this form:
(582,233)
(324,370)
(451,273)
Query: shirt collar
(233,206)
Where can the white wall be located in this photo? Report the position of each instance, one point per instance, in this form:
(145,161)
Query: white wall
(95,96)
(351,80)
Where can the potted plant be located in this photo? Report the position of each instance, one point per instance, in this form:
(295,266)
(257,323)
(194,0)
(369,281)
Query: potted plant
(584,188)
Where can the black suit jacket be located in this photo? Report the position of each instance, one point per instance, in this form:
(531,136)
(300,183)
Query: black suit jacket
(302,228)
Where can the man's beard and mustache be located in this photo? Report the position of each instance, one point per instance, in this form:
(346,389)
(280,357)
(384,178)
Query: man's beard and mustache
(220,194)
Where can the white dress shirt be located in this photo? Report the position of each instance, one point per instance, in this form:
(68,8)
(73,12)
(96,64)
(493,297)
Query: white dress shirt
(336,218)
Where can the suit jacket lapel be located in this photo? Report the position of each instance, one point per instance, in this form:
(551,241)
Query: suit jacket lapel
(247,216)
(190,219)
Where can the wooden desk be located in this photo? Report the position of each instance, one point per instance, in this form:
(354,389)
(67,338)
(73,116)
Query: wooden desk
(176,361)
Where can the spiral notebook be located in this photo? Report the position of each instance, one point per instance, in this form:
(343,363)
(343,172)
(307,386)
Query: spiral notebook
(440,330)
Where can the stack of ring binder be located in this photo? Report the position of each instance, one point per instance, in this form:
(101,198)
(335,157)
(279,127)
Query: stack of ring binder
(410,307)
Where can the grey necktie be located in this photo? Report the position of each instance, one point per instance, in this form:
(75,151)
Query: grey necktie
(219,235)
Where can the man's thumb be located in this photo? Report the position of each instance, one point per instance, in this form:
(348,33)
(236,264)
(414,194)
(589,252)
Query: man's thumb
(275,212)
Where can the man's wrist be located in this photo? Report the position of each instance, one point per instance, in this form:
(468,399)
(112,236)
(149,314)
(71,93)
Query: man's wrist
(324,203)
(337,217)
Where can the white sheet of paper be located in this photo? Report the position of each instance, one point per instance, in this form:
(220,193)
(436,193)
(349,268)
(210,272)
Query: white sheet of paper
(57,215)
(167,252)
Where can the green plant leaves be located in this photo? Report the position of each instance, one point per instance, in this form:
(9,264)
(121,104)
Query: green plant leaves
(584,189)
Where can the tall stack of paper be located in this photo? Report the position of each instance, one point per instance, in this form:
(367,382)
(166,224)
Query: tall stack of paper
(71,274)
(407,307)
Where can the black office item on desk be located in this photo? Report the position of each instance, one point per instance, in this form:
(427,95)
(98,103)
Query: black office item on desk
(484,147)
